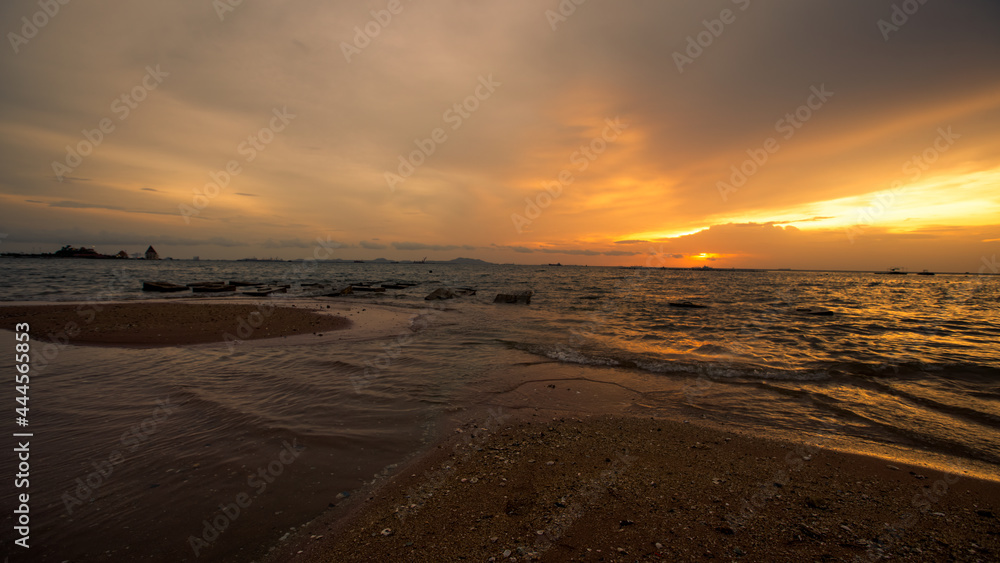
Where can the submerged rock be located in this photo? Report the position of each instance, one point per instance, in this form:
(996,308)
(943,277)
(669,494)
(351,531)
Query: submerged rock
(440,293)
(688,305)
(815,311)
(516,297)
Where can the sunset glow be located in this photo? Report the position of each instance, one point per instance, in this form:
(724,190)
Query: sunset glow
(509,141)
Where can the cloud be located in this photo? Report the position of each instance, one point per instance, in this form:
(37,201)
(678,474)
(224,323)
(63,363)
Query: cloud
(570,251)
(435,247)
(80,205)
(556,89)
(518,249)
(76,236)
(290,243)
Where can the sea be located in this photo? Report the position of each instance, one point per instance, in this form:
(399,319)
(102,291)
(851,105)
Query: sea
(219,453)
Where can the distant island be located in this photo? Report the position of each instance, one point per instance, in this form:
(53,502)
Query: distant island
(69,251)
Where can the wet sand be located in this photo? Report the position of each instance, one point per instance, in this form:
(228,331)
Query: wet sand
(616,488)
(166,324)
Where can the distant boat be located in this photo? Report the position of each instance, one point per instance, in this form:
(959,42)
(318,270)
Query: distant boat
(162,287)
(925,273)
(556,264)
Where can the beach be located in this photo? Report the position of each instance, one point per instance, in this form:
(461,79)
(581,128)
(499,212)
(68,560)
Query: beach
(614,488)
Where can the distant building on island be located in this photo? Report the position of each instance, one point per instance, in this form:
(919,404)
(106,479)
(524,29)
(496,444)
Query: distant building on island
(151,253)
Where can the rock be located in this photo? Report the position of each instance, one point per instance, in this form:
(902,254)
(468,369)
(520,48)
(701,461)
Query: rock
(725,530)
(346,291)
(516,297)
(985,513)
(815,311)
(687,305)
(440,293)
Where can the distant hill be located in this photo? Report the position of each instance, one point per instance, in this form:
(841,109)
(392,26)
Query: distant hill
(467,261)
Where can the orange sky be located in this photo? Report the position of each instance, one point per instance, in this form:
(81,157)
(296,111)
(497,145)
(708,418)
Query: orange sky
(585,143)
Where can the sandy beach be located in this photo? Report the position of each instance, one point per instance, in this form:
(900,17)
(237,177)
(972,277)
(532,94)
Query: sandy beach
(167,324)
(613,488)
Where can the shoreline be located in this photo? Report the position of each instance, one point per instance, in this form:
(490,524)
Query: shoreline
(626,488)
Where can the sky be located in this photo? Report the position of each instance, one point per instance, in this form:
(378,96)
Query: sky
(832,134)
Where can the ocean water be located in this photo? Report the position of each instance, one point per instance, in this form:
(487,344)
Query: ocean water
(906,366)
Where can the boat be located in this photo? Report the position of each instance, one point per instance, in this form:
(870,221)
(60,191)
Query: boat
(687,305)
(925,273)
(556,264)
(241,283)
(163,287)
(894,271)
